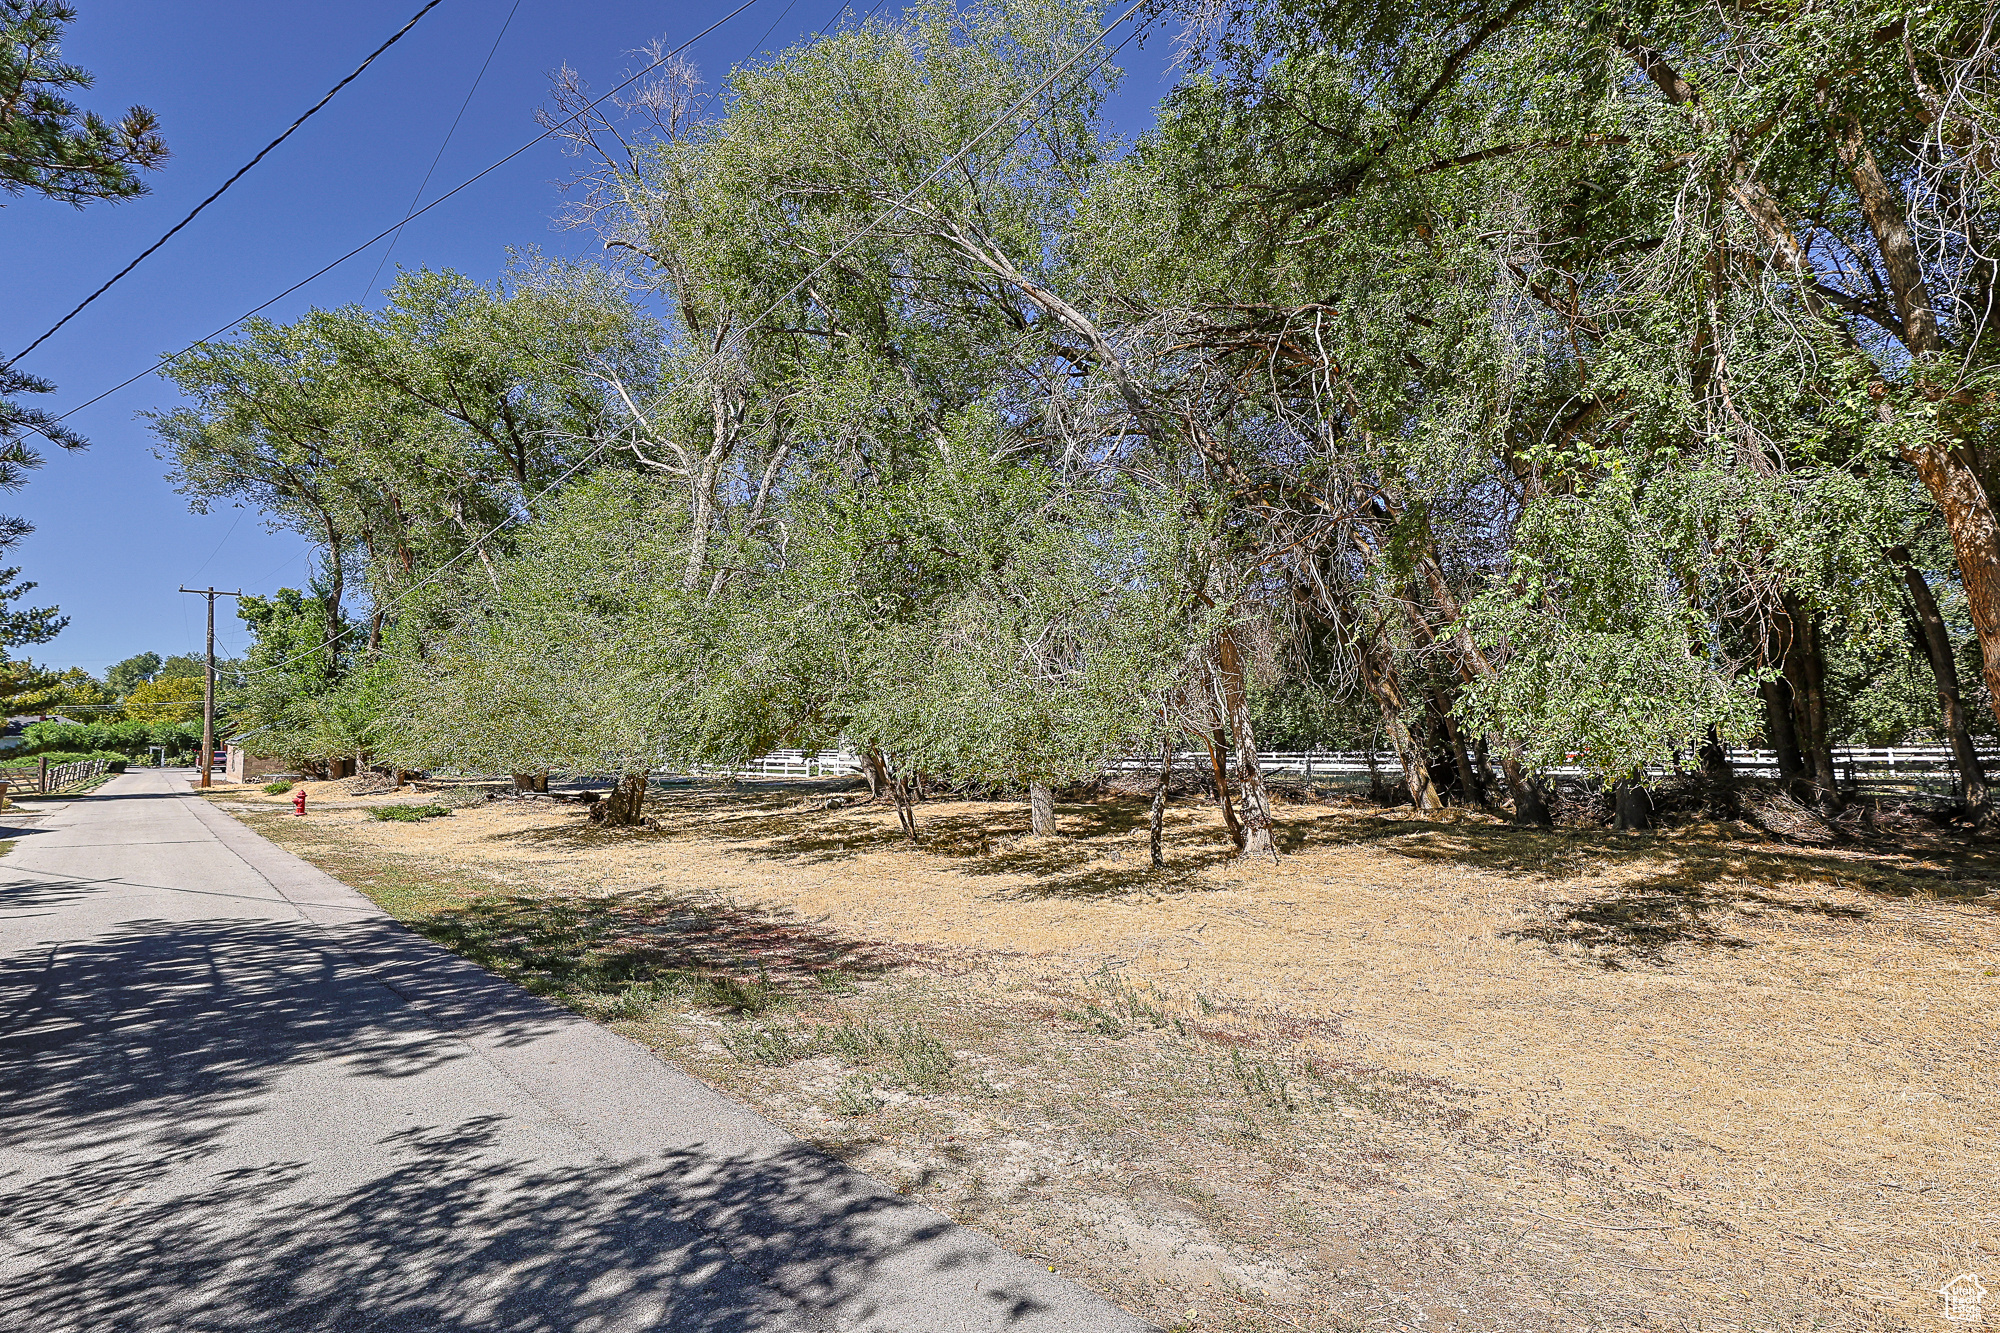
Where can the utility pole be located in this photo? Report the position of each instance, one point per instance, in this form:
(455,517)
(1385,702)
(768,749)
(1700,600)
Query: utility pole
(208,695)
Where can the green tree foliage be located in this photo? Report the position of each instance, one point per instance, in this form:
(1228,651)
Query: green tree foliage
(1537,384)
(48,146)
(18,456)
(131,738)
(397,439)
(121,678)
(168,699)
(970,624)
(285,697)
(20,626)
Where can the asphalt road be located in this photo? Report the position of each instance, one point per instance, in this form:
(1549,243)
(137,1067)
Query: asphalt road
(234,1095)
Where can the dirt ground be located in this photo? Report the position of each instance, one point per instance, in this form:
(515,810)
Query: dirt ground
(1429,1072)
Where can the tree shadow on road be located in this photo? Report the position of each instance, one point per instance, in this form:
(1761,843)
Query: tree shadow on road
(182,1021)
(146,1196)
(455,1232)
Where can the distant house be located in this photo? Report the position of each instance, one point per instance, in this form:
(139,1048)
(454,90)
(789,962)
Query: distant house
(14,732)
(242,766)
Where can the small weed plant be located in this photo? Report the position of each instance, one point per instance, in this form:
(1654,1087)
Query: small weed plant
(1264,1081)
(277,788)
(855,1097)
(1119,1009)
(900,1053)
(765,1043)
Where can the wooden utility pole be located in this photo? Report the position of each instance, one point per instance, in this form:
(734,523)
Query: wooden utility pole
(208,694)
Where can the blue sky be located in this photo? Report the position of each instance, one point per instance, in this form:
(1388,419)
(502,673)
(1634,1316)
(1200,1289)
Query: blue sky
(114,541)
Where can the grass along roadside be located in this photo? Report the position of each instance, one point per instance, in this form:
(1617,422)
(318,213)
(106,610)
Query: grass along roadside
(1413,1076)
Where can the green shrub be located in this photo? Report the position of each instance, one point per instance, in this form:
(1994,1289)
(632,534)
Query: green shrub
(277,788)
(123,739)
(409,814)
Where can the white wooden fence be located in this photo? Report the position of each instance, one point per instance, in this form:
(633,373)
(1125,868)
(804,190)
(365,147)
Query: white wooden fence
(799,764)
(1914,767)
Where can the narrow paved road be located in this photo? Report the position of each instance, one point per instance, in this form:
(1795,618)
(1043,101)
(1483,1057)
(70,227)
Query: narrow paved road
(234,1095)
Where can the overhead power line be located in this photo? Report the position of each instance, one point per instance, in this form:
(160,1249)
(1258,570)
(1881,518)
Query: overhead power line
(462,185)
(240,172)
(947,165)
(423,185)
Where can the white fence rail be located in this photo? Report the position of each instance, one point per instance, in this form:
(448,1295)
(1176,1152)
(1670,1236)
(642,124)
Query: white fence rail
(1900,765)
(1913,766)
(799,764)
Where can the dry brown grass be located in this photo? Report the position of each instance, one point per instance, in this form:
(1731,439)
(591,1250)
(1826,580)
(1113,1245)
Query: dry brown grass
(1422,1071)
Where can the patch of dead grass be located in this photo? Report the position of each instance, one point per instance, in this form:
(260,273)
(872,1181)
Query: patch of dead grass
(1424,1070)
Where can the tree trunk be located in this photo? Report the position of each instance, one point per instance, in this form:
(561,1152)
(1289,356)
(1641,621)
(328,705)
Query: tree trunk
(1715,759)
(336,588)
(1935,641)
(871,768)
(626,805)
(1975,540)
(1634,807)
(1777,697)
(899,788)
(1437,754)
(1159,813)
(1416,770)
(1249,778)
(1805,671)
(1218,749)
(1378,676)
(1461,758)
(1041,810)
(1378,790)
(1529,805)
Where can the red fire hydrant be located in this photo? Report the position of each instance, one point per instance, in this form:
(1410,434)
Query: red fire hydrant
(299,802)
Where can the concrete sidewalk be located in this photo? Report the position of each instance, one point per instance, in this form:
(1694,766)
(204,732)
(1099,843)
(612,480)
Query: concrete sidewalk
(234,1095)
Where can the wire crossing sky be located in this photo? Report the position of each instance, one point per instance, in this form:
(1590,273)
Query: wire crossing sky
(224,76)
(223,188)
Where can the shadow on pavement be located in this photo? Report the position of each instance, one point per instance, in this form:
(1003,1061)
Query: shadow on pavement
(146,1197)
(173,1027)
(455,1238)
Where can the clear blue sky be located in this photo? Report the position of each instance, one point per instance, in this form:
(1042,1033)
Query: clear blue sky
(113,540)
